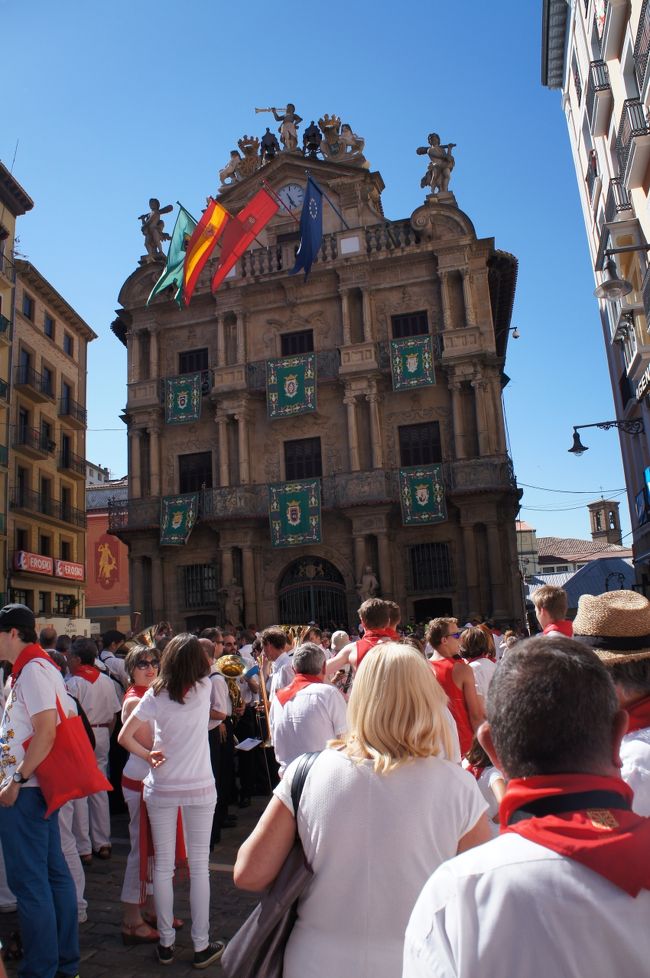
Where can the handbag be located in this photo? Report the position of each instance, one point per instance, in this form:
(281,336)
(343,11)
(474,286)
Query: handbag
(257,949)
(70,769)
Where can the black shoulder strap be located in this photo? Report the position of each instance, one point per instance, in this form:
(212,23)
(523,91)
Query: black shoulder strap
(562,804)
(302,770)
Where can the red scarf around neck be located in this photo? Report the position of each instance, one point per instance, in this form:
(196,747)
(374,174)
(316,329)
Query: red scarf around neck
(614,842)
(639,714)
(91,673)
(300,682)
(564,626)
(32,651)
(135,691)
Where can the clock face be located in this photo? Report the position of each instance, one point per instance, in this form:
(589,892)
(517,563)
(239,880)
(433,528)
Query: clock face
(292,196)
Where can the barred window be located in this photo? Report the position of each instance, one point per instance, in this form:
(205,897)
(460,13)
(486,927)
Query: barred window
(430,565)
(419,444)
(302,459)
(192,361)
(195,472)
(200,585)
(409,324)
(291,344)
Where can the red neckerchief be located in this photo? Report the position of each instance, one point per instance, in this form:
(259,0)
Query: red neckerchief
(614,842)
(32,651)
(91,673)
(300,682)
(564,626)
(135,691)
(476,770)
(639,714)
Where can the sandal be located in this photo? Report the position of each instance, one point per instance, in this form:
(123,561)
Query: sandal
(152,920)
(104,852)
(140,933)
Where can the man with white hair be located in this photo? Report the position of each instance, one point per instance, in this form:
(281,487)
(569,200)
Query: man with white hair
(308,712)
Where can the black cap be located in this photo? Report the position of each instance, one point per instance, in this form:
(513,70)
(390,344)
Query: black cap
(16,616)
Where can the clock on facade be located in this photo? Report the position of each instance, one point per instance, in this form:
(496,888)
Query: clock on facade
(292,196)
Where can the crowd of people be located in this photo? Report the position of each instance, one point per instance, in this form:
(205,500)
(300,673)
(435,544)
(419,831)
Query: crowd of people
(476,796)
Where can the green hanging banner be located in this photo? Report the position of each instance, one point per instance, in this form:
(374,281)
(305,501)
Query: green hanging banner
(177,518)
(422,494)
(183,398)
(291,385)
(294,513)
(411,363)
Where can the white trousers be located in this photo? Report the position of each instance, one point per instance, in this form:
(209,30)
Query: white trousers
(197,824)
(69,848)
(131,885)
(92,817)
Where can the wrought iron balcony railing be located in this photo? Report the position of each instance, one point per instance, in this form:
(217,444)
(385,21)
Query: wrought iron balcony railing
(72,462)
(71,409)
(618,200)
(642,46)
(26,376)
(34,439)
(4,324)
(633,124)
(44,505)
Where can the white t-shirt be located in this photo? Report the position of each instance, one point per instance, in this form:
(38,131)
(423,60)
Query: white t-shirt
(136,767)
(115,666)
(316,714)
(99,699)
(635,754)
(36,689)
(488,777)
(372,840)
(483,670)
(513,908)
(281,674)
(219,697)
(181,733)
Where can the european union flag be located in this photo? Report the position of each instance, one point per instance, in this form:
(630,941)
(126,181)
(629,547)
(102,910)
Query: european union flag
(311,228)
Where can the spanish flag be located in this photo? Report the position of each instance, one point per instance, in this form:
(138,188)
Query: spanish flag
(201,245)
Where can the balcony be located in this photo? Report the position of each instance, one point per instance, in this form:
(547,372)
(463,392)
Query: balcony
(327,368)
(234,503)
(633,143)
(611,29)
(32,384)
(4,391)
(43,505)
(133,514)
(370,488)
(480,475)
(7,271)
(594,182)
(4,456)
(642,50)
(74,412)
(32,442)
(618,201)
(599,100)
(5,331)
(150,393)
(72,463)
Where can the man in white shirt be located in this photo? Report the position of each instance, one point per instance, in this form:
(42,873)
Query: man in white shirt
(308,712)
(565,889)
(108,661)
(273,646)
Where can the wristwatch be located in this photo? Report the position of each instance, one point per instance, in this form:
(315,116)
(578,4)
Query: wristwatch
(18,778)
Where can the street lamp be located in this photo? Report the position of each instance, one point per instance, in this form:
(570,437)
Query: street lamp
(634,427)
(612,287)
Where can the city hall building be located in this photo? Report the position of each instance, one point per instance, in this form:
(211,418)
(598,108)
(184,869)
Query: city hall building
(329,439)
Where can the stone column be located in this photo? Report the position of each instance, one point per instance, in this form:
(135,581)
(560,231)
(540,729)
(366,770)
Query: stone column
(470,319)
(226,566)
(457,413)
(359,555)
(241,339)
(133,356)
(153,352)
(221,343)
(157,587)
(350,402)
(154,434)
(250,591)
(496,571)
(497,411)
(372,398)
(446,304)
(345,316)
(480,386)
(385,569)
(242,438)
(134,459)
(367,315)
(136,578)
(222,422)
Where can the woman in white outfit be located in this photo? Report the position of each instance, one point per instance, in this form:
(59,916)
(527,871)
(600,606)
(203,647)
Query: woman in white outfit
(379,809)
(177,704)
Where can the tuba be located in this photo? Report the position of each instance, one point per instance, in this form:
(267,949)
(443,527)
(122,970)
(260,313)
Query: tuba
(148,636)
(231,667)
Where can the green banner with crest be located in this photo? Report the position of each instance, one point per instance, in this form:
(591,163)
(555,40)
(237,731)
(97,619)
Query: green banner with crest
(294,513)
(183,398)
(291,385)
(422,494)
(177,518)
(411,363)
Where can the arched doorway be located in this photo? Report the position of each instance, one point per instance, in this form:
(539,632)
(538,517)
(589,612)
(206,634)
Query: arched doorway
(312,589)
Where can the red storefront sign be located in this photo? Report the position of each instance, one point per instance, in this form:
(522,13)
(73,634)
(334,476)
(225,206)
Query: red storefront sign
(33,563)
(69,570)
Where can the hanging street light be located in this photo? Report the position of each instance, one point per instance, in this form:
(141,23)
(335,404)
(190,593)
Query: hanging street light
(634,427)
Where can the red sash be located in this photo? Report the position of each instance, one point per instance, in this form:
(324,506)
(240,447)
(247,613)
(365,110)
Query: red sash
(564,625)
(593,824)
(639,714)
(32,651)
(91,673)
(300,682)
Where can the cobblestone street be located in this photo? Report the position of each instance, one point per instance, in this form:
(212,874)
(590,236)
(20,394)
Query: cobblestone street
(102,952)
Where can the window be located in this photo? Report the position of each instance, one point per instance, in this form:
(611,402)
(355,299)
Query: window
(47,442)
(45,545)
(47,381)
(66,550)
(409,324)
(19,596)
(68,344)
(562,569)
(66,503)
(193,361)
(200,585)
(66,449)
(195,472)
(44,602)
(28,306)
(22,539)
(302,459)
(430,567)
(48,326)
(23,425)
(293,343)
(66,397)
(419,444)
(64,604)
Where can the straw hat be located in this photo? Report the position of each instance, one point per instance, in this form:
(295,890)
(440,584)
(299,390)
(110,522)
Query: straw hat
(616,625)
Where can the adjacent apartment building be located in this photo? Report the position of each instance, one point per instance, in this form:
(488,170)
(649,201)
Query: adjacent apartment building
(596,52)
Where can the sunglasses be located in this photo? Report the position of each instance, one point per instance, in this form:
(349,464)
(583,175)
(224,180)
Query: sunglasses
(145,663)
(454,635)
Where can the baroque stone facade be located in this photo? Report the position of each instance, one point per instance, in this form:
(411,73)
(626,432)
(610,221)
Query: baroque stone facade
(373,281)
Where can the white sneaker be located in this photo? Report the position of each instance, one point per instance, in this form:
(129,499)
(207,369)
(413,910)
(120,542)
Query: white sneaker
(8,908)
(82,916)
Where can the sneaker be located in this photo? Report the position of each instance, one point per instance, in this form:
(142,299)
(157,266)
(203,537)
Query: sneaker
(9,908)
(208,955)
(165,954)
(82,916)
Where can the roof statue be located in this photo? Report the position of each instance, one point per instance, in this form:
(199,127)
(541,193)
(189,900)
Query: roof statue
(269,146)
(339,143)
(153,228)
(441,163)
(311,140)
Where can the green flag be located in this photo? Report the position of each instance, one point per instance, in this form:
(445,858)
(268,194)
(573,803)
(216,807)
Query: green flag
(177,518)
(422,493)
(173,274)
(411,362)
(294,513)
(291,385)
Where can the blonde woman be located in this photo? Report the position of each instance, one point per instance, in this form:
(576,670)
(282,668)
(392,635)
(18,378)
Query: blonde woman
(379,811)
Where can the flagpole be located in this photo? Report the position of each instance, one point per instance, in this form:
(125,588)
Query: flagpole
(335,209)
(279,200)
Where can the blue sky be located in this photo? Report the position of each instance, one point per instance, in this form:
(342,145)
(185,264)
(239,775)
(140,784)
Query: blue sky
(110,104)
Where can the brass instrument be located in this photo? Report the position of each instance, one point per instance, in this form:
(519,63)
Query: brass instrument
(281,111)
(231,667)
(148,636)
(265,702)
